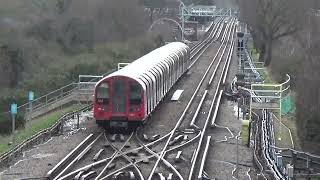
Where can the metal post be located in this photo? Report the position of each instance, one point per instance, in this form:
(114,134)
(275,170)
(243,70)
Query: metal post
(237,165)
(238,100)
(248,145)
(182,35)
(30,118)
(294,161)
(13,128)
(280,114)
(13,111)
(250,111)
(46,114)
(30,98)
(78,124)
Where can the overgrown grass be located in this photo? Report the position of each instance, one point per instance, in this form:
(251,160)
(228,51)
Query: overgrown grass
(34,127)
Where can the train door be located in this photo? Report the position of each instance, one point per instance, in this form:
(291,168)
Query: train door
(119,96)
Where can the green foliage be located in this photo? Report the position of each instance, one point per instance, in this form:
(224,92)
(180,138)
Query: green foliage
(36,126)
(83,69)
(6,123)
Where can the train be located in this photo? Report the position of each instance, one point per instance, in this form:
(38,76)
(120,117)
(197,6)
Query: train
(127,97)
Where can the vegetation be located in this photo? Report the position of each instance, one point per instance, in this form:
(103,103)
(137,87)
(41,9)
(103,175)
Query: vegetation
(35,126)
(47,44)
(287,33)
(270,21)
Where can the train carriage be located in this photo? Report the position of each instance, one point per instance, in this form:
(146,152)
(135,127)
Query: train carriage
(128,96)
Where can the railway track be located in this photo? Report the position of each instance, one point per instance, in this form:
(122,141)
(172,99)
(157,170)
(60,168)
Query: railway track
(181,124)
(137,152)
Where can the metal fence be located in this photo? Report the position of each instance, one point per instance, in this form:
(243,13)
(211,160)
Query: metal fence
(81,91)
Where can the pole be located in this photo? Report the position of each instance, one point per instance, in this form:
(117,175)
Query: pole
(30,117)
(237,165)
(238,100)
(78,116)
(13,128)
(13,111)
(182,36)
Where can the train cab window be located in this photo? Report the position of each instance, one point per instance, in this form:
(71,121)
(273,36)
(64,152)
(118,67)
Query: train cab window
(135,94)
(102,95)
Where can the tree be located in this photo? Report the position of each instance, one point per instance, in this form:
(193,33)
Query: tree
(205,2)
(11,64)
(152,5)
(270,20)
(308,102)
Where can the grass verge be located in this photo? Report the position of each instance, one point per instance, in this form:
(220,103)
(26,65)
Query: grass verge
(34,127)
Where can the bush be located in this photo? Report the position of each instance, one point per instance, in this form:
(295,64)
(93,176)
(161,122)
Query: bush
(6,123)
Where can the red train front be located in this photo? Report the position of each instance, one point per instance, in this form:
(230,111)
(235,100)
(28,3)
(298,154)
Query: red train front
(119,102)
(128,96)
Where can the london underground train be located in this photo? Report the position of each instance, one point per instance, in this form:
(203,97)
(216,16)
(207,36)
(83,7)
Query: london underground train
(128,96)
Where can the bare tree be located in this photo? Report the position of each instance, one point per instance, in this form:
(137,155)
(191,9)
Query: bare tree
(270,20)
(308,98)
(151,5)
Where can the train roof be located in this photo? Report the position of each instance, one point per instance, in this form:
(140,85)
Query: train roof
(150,60)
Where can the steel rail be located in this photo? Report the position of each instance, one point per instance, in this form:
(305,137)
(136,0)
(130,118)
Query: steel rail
(198,109)
(124,156)
(202,50)
(113,156)
(78,157)
(204,157)
(163,152)
(67,158)
(213,26)
(207,120)
(106,159)
(168,164)
(220,59)
(151,156)
(210,36)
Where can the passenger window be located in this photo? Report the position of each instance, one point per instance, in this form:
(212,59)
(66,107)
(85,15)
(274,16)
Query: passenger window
(135,93)
(102,94)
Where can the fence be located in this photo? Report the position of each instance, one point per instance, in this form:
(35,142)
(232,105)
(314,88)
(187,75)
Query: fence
(81,91)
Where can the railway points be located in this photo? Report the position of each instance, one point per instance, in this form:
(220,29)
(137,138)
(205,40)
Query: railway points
(151,159)
(196,137)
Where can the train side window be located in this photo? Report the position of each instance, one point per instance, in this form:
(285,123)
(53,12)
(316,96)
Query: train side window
(135,94)
(102,94)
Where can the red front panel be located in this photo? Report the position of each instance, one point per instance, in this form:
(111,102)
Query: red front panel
(123,102)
